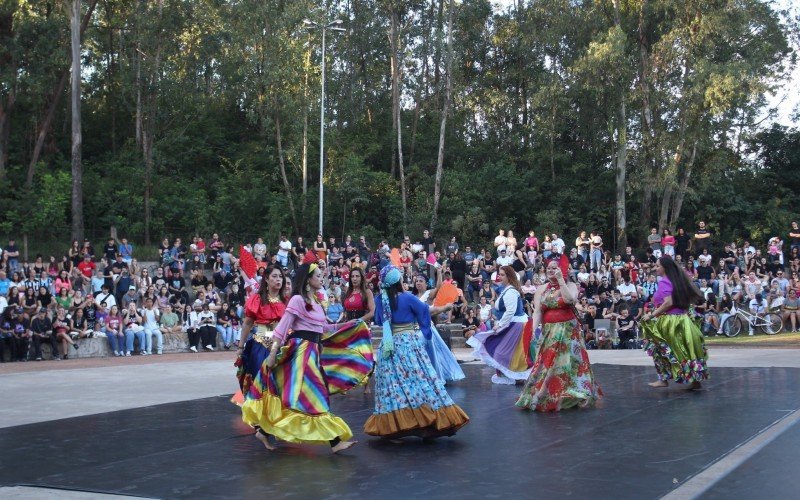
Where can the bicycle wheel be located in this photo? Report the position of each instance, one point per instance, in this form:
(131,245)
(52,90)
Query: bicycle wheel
(773,323)
(733,326)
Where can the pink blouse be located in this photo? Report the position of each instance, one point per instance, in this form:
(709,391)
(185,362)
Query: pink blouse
(663,291)
(300,315)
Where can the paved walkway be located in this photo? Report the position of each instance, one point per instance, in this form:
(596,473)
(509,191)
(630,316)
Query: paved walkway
(62,389)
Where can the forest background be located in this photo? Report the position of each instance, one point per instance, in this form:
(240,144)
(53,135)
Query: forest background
(182,117)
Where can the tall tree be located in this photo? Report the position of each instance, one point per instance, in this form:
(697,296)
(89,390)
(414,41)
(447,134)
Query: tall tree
(448,88)
(77,137)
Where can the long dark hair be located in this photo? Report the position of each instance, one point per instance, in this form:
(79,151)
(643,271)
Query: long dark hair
(362,288)
(300,281)
(263,288)
(684,292)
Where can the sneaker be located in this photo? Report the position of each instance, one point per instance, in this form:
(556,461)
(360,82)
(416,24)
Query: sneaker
(143,353)
(75,345)
(193,349)
(208,348)
(502,380)
(159,352)
(128,354)
(39,358)
(56,358)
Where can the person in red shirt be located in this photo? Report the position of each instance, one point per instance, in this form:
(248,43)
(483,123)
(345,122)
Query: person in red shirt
(87,267)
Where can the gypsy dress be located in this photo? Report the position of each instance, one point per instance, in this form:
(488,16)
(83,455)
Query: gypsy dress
(675,342)
(256,349)
(410,397)
(291,401)
(561,376)
(505,348)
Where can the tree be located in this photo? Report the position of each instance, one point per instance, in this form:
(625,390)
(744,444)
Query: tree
(77,138)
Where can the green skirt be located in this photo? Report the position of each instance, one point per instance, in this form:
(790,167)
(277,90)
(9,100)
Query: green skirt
(676,345)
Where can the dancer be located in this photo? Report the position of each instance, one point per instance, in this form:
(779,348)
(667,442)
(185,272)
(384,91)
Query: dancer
(562,376)
(410,397)
(441,356)
(263,309)
(292,388)
(504,347)
(673,339)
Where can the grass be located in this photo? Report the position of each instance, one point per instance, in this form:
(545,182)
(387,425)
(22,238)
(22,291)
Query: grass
(783,339)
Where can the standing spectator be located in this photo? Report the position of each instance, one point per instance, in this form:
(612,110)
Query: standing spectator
(428,243)
(452,246)
(11,255)
(150,317)
(702,238)
(87,248)
(668,242)
(321,248)
(110,251)
(284,246)
(74,253)
(582,244)
(794,236)
(682,243)
(499,240)
(364,250)
(41,330)
(654,242)
(596,259)
(299,250)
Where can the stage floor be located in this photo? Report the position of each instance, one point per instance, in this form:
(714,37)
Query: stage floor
(638,443)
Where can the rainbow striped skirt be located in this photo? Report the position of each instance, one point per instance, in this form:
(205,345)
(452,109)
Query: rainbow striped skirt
(291,401)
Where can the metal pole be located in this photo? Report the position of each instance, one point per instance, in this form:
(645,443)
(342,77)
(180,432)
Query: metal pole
(322,134)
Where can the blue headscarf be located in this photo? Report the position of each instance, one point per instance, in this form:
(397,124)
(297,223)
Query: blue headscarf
(389,276)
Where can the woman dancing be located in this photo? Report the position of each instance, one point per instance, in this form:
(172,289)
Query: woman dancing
(504,348)
(410,398)
(562,376)
(263,310)
(673,339)
(305,366)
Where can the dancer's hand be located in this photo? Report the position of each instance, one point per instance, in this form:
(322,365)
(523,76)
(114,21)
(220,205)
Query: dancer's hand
(271,360)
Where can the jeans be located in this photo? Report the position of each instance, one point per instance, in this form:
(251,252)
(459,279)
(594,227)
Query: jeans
(13,264)
(596,259)
(226,332)
(669,250)
(283,260)
(139,335)
(584,254)
(148,340)
(119,341)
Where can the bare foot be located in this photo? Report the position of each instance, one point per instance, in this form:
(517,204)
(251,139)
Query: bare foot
(694,386)
(343,446)
(658,383)
(264,440)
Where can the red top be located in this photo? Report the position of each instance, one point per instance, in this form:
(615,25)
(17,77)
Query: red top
(263,314)
(557,312)
(355,302)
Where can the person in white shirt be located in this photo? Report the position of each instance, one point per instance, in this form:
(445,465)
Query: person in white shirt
(485,313)
(626,289)
(557,244)
(260,249)
(500,241)
(504,259)
(105,300)
(758,306)
(150,316)
(283,251)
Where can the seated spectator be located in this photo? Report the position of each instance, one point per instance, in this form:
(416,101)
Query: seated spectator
(64,299)
(41,330)
(485,312)
(169,323)
(105,300)
(626,288)
(45,300)
(113,328)
(132,321)
(79,326)
(335,311)
(150,315)
(201,327)
(97,282)
(626,328)
(130,297)
(790,311)
(470,323)
(61,332)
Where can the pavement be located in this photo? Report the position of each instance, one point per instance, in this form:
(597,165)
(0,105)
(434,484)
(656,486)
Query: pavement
(147,417)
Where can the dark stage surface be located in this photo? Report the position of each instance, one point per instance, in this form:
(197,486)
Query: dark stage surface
(639,443)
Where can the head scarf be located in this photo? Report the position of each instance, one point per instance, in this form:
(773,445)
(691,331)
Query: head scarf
(389,276)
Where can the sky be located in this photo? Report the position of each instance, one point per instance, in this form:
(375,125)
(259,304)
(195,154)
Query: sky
(786,99)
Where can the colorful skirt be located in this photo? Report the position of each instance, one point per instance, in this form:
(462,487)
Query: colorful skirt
(561,376)
(410,398)
(442,358)
(505,350)
(291,401)
(677,347)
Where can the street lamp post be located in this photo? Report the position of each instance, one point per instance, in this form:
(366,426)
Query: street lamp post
(334,26)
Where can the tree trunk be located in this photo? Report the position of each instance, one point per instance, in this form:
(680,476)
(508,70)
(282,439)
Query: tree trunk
(395,43)
(55,100)
(621,171)
(649,168)
(7,99)
(149,112)
(448,87)
(679,196)
(286,184)
(77,139)
(422,86)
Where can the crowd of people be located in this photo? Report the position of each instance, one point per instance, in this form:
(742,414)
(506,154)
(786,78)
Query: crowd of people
(199,290)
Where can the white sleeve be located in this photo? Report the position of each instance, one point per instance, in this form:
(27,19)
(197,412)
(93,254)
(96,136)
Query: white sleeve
(509,299)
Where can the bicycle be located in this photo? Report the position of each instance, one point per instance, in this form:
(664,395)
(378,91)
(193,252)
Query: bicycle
(771,323)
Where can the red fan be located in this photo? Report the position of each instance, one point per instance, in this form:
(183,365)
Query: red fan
(310,258)
(247,262)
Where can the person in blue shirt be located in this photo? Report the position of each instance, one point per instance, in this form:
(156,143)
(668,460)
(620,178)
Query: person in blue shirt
(335,311)
(410,398)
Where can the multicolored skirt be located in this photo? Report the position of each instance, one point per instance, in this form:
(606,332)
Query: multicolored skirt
(410,398)
(291,401)
(677,347)
(505,350)
(561,376)
(442,358)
